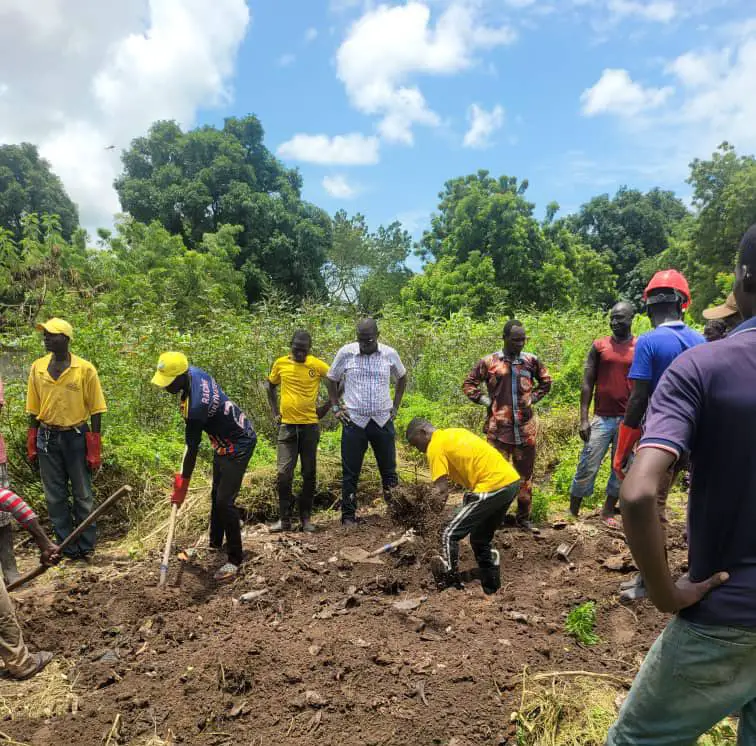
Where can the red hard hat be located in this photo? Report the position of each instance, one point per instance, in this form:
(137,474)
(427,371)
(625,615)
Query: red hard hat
(671,279)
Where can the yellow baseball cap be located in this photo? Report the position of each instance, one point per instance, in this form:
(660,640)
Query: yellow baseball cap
(56,326)
(170,365)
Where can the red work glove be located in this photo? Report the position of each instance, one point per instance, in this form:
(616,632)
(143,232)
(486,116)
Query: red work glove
(180,488)
(628,437)
(94,450)
(31,444)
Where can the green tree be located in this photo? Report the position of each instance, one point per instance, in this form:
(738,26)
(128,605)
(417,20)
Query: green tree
(27,186)
(541,265)
(448,286)
(198,181)
(628,228)
(724,192)
(366,270)
(145,268)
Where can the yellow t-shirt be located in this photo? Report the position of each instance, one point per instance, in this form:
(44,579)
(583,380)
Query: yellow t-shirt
(299,383)
(468,461)
(70,400)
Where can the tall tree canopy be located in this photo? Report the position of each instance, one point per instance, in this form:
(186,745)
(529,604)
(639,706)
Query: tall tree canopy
(366,270)
(628,228)
(724,192)
(198,181)
(538,265)
(28,186)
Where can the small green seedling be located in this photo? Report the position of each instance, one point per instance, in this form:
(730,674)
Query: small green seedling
(581,623)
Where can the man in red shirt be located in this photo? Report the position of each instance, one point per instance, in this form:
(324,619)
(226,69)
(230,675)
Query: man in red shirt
(605,381)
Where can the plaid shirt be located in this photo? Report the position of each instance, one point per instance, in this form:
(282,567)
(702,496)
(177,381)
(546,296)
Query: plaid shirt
(510,385)
(367,380)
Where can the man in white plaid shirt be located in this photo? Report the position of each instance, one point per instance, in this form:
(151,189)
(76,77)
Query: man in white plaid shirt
(367,413)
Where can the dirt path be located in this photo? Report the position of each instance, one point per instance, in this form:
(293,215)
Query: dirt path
(325,654)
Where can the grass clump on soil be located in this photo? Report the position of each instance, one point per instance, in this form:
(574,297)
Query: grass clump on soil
(48,694)
(581,623)
(577,712)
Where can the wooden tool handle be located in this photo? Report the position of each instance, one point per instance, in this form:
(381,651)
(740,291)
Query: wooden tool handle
(168,545)
(75,534)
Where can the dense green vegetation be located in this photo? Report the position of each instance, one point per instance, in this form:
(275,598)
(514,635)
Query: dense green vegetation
(219,256)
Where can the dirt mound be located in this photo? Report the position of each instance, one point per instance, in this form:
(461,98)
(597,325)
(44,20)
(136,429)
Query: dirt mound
(321,649)
(418,507)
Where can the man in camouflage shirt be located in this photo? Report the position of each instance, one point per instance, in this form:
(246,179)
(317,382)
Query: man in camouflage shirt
(515,381)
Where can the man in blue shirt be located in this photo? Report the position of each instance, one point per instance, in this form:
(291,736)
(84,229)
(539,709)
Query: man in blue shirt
(702,666)
(667,295)
(205,407)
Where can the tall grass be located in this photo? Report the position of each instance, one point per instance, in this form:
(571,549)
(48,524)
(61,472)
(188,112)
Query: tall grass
(143,431)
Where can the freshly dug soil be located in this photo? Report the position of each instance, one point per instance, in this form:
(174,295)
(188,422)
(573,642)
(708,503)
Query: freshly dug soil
(330,652)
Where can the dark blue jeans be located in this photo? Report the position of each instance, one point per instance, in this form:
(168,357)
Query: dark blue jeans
(354,443)
(63,461)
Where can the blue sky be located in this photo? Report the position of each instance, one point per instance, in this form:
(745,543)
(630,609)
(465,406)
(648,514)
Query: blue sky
(378,103)
(288,73)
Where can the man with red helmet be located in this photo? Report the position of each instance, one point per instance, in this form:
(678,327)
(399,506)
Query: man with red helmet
(667,295)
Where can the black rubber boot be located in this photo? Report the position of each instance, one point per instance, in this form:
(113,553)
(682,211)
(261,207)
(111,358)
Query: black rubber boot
(444,577)
(284,522)
(490,577)
(280,527)
(575,503)
(7,557)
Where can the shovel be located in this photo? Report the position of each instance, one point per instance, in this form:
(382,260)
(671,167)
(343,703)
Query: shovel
(75,534)
(564,550)
(168,545)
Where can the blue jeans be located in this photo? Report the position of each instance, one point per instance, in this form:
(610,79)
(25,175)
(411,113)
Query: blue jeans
(604,431)
(63,460)
(694,676)
(354,443)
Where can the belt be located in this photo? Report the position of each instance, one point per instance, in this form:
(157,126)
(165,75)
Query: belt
(59,429)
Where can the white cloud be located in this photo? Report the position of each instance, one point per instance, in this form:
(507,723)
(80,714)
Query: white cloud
(354,149)
(617,93)
(519,3)
(389,45)
(287,60)
(482,125)
(84,74)
(311,34)
(660,11)
(339,187)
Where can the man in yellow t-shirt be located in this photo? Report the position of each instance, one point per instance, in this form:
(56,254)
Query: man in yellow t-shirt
(457,456)
(299,375)
(64,402)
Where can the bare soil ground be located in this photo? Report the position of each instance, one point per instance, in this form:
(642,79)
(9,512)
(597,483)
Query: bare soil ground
(330,651)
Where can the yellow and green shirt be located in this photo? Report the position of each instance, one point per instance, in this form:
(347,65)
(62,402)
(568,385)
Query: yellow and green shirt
(300,383)
(469,461)
(70,400)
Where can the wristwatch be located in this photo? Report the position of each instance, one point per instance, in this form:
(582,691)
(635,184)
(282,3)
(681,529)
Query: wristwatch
(335,408)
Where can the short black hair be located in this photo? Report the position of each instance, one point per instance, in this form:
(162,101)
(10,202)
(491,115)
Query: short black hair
(717,325)
(417,423)
(747,249)
(511,324)
(301,334)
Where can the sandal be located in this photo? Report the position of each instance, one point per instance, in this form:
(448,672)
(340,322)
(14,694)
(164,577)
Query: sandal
(41,660)
(229,571)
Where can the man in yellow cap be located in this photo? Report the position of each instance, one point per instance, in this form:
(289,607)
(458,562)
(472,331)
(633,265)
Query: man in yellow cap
(205,407)
(65,403)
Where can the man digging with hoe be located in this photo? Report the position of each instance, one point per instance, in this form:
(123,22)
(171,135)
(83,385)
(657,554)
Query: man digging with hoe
(456,455)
